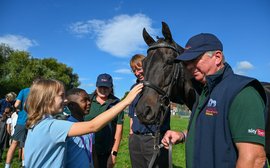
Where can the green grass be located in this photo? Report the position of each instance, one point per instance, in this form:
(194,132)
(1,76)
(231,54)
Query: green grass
(123,160)
(15,164)
(178,156)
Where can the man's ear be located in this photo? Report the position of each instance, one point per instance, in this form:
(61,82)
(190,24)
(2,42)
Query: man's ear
(219,57)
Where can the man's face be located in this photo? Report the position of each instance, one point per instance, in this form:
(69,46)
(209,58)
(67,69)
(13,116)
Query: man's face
(201,67)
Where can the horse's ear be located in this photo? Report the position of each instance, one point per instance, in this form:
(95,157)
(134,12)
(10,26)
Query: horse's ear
(147,38)
(166,32)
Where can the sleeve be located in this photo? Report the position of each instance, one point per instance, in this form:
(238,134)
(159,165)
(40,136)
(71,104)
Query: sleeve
(130,111)
(246,117)
(120,118)
(132,106)
(20,96)
(8,121)
(59,130)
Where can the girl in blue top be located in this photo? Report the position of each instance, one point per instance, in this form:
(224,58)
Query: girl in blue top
(45,144)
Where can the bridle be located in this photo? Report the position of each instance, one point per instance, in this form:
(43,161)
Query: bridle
(164,99)
(177,67)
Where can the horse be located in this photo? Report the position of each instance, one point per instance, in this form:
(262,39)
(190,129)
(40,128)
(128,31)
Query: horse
(169,81)
(164,79)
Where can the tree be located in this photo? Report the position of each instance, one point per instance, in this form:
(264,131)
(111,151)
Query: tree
(18,69)
(61,72)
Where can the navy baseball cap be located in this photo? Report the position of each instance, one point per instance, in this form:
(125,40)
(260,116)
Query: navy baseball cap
(104,80)
(198,45)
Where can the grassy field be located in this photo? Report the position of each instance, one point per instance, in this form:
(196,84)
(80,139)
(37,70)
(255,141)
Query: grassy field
(123,160)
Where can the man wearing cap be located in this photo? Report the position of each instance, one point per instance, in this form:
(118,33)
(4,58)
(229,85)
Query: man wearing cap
(107,140)
(227,124)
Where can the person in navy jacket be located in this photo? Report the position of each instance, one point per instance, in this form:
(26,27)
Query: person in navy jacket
(227,124)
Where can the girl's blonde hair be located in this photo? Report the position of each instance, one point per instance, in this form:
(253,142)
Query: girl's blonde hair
(40,100)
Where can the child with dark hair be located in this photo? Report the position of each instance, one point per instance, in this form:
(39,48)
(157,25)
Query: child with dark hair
(79,148)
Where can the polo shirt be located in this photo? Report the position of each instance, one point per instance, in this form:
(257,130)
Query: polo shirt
(79,149)
(22,114)
(104,139)
(45,144)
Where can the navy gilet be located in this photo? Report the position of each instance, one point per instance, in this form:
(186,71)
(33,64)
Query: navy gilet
(213,145)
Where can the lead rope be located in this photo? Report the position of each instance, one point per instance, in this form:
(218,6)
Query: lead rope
(158,146)
(170,155)
(156,149)
(156,152)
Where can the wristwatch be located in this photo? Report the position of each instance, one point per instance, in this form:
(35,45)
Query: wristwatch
(114,153)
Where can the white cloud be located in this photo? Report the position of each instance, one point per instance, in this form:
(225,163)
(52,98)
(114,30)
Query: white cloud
(90,27)
(242,67)
(120,36)
(18,42)
(123,71)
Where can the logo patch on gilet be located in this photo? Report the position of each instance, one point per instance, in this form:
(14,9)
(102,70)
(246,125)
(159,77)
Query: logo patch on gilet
(211,108)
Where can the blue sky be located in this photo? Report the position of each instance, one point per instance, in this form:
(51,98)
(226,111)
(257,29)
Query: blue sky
(98,36)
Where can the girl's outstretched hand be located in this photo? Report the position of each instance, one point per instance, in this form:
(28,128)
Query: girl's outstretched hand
(133,93)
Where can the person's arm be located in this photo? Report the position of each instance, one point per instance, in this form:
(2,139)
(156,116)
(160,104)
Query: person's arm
(247,111)
(117,139)
(130,126)
(81,128)
(251,155)
(9,127)
(17,104)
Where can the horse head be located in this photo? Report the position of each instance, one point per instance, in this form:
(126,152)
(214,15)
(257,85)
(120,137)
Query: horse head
(164,79)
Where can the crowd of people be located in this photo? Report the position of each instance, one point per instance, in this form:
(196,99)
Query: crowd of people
(219,133)
(81,139)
